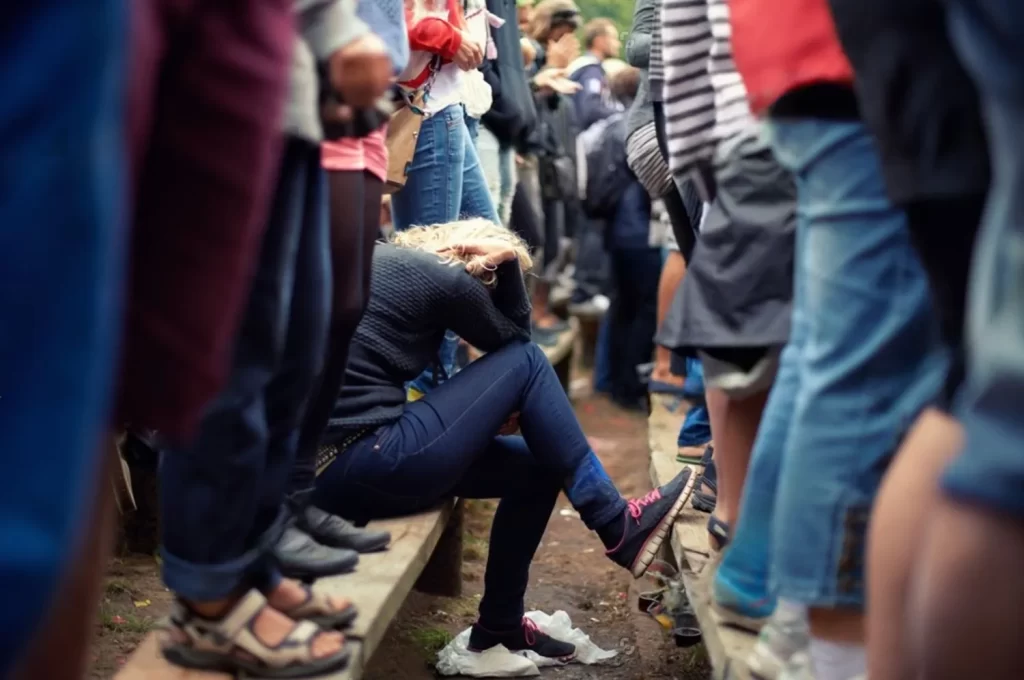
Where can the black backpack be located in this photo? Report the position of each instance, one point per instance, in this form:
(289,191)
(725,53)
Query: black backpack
(607,173)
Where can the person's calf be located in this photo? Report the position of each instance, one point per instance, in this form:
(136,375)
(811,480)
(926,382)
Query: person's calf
(906,499)
(965,614)
(837,643)
(735,423)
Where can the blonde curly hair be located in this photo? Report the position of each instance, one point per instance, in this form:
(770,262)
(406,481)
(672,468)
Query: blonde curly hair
(444,239)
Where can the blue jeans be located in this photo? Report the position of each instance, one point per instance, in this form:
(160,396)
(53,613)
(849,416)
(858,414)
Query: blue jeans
(445,445)
(633,315)
(508,179)
(988,35)
(603,356)
(864,357)
(445,183)
(62,204)
(222,497)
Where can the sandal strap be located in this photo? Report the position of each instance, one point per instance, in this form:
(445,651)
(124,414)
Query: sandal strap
(236,632)
(241,615)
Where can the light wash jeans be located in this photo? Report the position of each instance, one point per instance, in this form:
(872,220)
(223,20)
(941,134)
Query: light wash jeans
(488,150)
(445,183)
(989,35)
(864,357)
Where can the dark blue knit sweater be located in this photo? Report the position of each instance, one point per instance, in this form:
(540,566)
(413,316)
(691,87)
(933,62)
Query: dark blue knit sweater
(414,298)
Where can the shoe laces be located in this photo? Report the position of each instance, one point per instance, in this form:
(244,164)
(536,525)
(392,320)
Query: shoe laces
(636,506)
(530,631)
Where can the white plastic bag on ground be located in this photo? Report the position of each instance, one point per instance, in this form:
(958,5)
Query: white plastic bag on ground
(498,662)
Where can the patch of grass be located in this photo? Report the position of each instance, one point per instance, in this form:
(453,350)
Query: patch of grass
(125,624)
(118,586)
(474,548)
(430,640)
(693,660)
(462,607)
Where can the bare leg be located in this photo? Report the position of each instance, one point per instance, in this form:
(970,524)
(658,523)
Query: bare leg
(906,499)
(734,424)
(672,273)
(965,612)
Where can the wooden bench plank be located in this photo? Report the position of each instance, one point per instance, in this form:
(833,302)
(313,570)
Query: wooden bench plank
(566,341)
(378,588)
(728,647)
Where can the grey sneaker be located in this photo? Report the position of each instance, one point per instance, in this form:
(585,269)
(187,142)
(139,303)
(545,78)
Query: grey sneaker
(782,639)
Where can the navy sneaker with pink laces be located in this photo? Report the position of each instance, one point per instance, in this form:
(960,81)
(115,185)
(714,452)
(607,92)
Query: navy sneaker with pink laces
(526,637)
(648,522)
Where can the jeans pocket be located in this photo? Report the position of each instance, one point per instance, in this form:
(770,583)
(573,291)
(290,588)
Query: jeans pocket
(381,436)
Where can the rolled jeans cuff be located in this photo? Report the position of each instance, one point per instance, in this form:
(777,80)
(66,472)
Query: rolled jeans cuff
(256,568)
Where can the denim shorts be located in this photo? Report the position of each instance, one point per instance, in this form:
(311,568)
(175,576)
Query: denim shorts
(870,358)
(988,35)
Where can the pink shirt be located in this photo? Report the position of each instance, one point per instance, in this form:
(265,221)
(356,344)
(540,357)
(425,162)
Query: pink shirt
(369,153)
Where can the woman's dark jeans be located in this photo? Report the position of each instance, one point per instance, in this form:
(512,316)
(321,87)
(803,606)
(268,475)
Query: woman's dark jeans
(445,446)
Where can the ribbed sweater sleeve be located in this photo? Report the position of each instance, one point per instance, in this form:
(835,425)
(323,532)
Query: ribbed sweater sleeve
(488,319)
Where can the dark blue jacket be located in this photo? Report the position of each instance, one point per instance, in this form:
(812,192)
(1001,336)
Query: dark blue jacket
(514,115)
(594,101)
(632,223)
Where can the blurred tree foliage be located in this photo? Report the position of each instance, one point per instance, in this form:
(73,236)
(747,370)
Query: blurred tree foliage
(619,11)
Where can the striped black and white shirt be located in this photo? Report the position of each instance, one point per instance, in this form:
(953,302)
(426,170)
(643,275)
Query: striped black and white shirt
(655,63)
(705,100)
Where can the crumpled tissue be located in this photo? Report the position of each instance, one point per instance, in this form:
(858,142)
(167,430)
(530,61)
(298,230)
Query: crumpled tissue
(498,662)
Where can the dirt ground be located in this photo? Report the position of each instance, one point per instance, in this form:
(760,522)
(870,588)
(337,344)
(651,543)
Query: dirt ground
(569,573)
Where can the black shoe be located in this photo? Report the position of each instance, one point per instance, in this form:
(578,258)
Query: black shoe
(525,637)
(648,522)
(336,532)
(299,556)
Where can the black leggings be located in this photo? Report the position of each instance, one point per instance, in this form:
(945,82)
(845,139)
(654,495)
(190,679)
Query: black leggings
(684,226)
(355,225)
(523,219)
(943,232)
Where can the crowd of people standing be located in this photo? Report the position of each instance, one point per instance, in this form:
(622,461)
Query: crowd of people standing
(802,214)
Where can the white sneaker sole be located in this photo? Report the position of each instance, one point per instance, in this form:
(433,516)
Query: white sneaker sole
(651,547)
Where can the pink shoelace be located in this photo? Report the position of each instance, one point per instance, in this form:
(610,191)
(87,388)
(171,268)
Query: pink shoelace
(636,506)
(530,631)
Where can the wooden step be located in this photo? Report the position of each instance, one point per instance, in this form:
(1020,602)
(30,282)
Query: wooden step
(728,647)
(378,588)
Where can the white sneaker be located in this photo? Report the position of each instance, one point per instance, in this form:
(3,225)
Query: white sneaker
(595,306)
(784,637)
(798,668)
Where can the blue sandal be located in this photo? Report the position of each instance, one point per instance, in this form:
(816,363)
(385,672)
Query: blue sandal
(719,532)
(703,500)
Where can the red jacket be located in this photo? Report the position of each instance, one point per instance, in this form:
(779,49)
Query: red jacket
(780,45)
(429,36)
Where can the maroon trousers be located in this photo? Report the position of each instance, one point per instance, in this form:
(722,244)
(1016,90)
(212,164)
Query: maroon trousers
(208,82)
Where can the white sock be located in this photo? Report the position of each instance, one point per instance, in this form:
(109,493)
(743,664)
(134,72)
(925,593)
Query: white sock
(791,608)
(837,660)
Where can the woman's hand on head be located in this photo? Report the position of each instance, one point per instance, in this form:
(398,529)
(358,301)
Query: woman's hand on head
(483,256)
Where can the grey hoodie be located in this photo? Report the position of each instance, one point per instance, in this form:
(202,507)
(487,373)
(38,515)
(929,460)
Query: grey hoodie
(638,54)
(324,27)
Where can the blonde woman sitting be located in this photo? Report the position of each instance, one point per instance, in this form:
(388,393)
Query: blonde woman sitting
(397,458)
